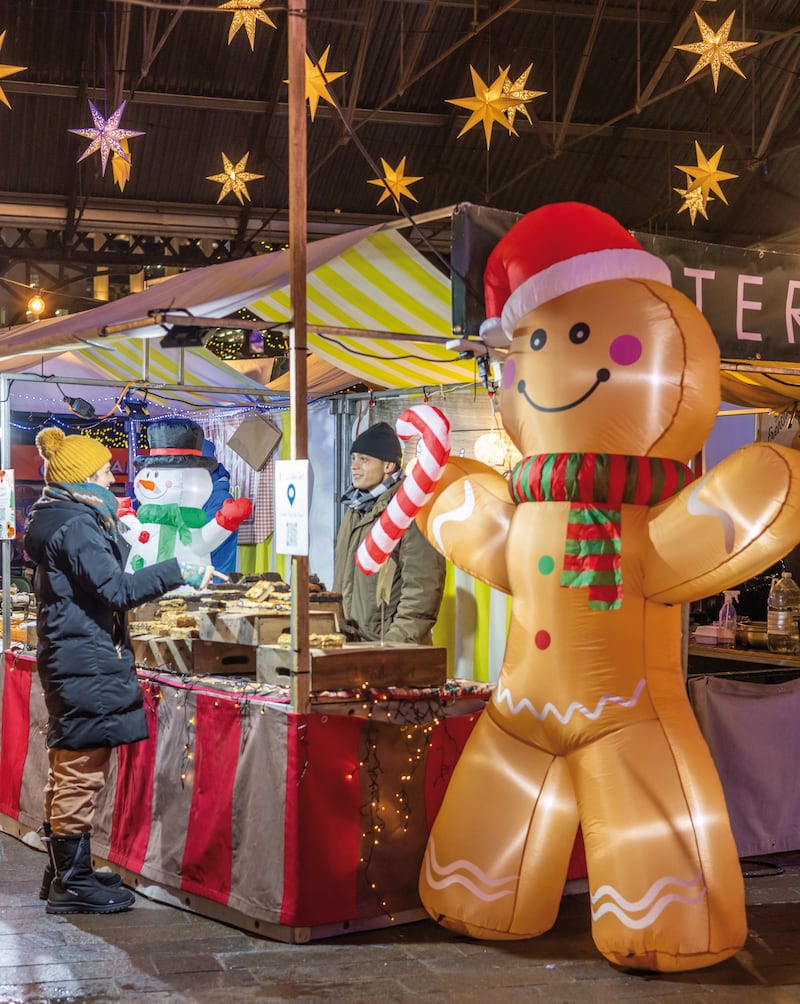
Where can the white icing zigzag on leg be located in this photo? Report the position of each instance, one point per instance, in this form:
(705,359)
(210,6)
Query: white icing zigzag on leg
(460,514)
(622,908)
(503,694)
(441,876)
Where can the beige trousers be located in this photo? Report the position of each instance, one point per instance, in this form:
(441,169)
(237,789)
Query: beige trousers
(73,781)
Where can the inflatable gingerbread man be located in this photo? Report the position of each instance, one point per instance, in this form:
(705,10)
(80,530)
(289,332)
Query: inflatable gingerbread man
(610,387)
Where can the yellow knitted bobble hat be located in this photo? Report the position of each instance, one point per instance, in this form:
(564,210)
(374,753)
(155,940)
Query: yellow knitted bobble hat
(70,459)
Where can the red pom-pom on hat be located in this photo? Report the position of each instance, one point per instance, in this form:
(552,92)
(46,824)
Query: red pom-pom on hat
(554,250)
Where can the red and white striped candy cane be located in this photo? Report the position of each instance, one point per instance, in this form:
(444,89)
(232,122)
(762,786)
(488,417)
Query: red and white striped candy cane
(417,487)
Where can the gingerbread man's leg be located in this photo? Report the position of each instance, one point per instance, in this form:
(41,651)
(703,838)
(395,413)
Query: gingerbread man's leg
(499,849)
(664,877)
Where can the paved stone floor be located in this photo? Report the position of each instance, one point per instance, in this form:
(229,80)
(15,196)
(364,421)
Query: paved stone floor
(156,953)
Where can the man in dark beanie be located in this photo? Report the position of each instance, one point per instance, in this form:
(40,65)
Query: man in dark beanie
(416,570)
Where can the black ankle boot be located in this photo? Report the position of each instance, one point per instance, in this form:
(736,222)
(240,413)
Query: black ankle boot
(74,888)
(110,879)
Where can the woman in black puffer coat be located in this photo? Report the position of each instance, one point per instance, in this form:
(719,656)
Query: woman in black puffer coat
(84,655)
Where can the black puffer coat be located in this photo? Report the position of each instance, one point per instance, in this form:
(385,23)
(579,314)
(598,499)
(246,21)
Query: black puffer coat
(84,654)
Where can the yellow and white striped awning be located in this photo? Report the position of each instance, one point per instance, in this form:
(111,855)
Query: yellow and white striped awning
(380,285)
(371,281)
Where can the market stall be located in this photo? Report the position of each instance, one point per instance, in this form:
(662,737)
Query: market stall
(292,825)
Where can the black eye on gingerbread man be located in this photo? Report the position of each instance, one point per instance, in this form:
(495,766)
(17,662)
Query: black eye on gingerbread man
(579,333)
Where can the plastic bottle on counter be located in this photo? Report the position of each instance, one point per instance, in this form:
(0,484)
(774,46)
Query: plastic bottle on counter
(726,632)
(783,611)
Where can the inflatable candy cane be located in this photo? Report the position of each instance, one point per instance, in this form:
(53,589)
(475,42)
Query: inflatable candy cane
(416,489)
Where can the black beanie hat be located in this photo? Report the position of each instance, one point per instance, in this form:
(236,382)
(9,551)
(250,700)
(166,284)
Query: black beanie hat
(379,441)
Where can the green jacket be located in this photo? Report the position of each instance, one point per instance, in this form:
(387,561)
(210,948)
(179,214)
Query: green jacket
(416,589)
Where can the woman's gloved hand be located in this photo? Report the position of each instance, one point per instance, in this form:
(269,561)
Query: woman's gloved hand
(196,575)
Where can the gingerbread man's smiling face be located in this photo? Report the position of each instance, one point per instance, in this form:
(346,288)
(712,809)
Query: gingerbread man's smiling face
(626,366)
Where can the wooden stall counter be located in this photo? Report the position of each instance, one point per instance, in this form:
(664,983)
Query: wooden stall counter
(359,665)
(758,663)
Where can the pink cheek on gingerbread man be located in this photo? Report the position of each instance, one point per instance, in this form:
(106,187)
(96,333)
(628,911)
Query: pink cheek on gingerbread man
(625,350)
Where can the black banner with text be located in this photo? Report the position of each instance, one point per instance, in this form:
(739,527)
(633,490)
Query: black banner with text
(750,298)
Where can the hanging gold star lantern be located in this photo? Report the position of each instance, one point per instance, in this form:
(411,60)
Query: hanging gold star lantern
(7,70)
(106,135)
(516,89)
(714,49)
(395,183)
(488,105)
(706,175)
(694,201)
(245,15)
(121,166)
(234,178)
(318,76)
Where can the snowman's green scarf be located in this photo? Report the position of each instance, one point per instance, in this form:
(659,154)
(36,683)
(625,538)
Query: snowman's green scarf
(596,485)
(175,521)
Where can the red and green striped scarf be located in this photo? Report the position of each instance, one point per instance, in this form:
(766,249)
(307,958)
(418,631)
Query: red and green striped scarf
(597,485)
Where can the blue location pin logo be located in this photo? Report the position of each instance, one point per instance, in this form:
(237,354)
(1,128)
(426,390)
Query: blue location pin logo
(291,494)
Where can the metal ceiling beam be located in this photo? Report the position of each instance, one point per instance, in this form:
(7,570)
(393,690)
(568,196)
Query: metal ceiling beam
(580,72)
(432,120)
(580,10)
(46,212)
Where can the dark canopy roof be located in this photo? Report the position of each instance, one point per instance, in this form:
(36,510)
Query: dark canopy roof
(617,115)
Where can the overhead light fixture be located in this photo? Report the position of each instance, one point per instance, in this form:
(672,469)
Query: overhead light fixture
(79,406)
(36,305)
(182,336)
(132,406)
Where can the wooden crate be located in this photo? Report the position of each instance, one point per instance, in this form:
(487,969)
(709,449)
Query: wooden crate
(223,659)
(193,656)
(173,654)
(359,665)
(259,627)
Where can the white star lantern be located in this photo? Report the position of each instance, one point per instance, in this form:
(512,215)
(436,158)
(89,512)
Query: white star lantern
(106,136)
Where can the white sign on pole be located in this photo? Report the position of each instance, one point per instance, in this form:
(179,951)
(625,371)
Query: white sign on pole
(291,506)
(7,505)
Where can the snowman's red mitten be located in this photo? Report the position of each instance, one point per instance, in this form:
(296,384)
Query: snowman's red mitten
(233,512)
(125,508)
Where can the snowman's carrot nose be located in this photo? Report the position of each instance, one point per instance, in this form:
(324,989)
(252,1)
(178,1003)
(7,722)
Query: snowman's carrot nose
(147,485)
(417,488)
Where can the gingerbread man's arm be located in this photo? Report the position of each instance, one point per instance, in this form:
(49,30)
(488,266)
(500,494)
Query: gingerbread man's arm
(467,520)
(731,524)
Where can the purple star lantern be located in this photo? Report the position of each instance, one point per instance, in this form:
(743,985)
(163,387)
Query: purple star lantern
(106,136)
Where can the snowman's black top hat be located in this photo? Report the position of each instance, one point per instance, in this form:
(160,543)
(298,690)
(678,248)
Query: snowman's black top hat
(175,442)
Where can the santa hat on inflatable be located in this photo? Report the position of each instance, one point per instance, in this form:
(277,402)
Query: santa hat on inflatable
(554,250)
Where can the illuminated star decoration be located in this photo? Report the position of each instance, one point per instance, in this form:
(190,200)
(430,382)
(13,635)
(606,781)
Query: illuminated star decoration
(121,166)
(488,105)
(706,176)
(714,49)
(7,70)
(106,136)
(694,201)
(394,182)
(245,14)
(234,179)
(517,90)
(317,80)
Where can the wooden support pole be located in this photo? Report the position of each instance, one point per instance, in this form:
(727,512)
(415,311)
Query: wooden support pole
(301,660)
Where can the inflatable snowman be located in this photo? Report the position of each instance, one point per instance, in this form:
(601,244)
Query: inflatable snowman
(171,484)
